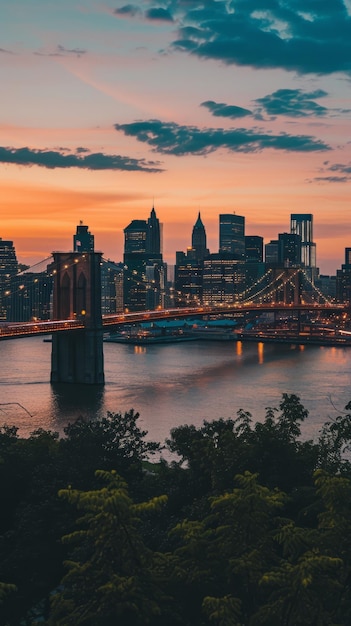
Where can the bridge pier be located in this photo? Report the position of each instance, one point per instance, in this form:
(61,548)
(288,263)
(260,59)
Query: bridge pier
(77,355)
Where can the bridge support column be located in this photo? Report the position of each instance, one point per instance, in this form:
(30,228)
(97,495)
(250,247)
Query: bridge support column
(77,355)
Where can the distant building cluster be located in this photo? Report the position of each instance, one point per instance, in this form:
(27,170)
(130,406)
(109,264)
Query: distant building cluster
(143,280)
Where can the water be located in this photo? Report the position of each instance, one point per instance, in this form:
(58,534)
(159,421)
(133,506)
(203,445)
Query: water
(175,384)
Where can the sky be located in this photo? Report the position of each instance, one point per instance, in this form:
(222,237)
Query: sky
(109,108)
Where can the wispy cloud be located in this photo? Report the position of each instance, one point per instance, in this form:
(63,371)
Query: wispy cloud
(175,139)
(334,173)
(52,159)
(301,35)
(61,51)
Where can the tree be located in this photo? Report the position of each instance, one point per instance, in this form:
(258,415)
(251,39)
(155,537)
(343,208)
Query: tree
(111,442)
(113,576)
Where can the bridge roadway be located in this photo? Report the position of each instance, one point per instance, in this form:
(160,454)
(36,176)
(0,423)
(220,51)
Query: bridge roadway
(13,330)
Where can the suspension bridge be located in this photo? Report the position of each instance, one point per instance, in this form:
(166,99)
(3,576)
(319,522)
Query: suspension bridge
(77,323)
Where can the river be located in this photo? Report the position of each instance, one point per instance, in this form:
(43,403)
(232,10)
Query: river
(175,384)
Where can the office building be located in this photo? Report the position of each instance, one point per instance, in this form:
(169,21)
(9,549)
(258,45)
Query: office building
(253,248)
(8,268)
(302,224)
(111,287)
(289,250)
(271,256)
(254,266)
(199,240)
(153,235)
(142,250)
(30,296)
(232,235)
(224,279)
(189,268)
(343,279)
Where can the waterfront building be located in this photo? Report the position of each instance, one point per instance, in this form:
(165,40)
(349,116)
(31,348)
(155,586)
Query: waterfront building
(224,279)
(8,268)
(83,240)
(111,287)
(232,235)
(343,279)
(187,280)
(30,296)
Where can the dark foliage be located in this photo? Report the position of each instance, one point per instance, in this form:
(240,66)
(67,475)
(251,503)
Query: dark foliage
(248,524)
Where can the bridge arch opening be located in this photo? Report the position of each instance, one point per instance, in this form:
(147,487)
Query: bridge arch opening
(65,296)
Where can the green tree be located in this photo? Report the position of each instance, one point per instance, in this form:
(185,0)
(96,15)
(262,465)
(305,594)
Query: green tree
(111,442)
(113,576)
(228,552)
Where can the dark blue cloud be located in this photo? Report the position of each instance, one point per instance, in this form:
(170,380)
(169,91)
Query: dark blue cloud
(287,102)
(293,102)
(60,159)
(158,13)
(219,109)
(306,36)
(171,138)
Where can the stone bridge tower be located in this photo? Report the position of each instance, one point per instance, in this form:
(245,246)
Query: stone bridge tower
(77,355)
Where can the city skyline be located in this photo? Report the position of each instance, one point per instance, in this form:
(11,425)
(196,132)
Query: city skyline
(111,108)
(84,233)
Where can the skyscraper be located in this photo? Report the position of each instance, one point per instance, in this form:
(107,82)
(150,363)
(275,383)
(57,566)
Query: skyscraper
(153,239)
(198,240)
(8,268)
(289,250)
(302,224)
(189,268)
(253,249)
(142,251)
(83,240)
(232,235)
(135,235)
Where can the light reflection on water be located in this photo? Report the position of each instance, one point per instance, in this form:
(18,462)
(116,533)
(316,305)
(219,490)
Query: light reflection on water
(175,384)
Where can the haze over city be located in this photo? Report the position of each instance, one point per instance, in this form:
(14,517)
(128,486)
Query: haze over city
(109,108)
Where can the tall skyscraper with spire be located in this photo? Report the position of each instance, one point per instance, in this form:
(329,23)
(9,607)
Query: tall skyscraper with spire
(144,270)
(198,240)
(153,240)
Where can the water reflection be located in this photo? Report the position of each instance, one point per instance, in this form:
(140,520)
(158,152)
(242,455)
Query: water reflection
(175,384)
(139,349)
(76,400)
(260,350)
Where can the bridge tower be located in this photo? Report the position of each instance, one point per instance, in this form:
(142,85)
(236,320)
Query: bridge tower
(77,355)
(288,285)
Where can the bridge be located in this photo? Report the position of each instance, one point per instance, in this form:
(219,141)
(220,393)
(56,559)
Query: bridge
(13,330)
(78,325)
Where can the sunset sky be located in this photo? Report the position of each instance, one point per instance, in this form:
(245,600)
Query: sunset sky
(218,106)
